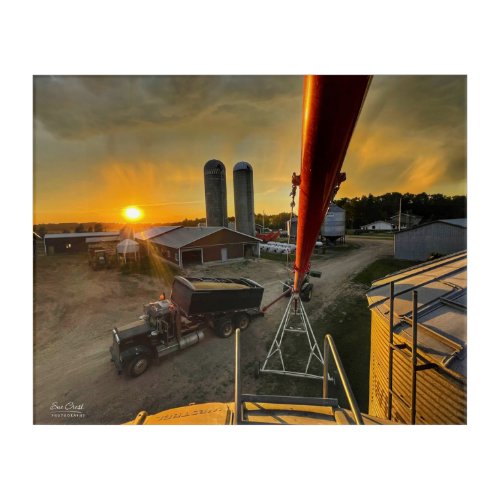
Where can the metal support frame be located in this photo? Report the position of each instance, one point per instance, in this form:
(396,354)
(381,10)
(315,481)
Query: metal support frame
(391,351)
(237,378)
(412,356)
(413,407)
(294,309)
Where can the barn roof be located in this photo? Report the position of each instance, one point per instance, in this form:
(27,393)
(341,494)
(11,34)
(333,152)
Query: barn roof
(455,222)
(82,235)
(152,232)
(451,222)
(186,235)
(441,285)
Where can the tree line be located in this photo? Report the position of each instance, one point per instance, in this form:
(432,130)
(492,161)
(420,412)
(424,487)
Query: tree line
(359,211)
(365,209)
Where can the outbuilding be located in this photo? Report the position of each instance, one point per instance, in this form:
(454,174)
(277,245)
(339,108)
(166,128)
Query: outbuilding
(72,242)
(440,237)
(185,246)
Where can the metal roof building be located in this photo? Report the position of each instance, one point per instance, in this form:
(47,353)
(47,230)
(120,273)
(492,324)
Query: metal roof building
(441,237)
(73,242)
(198,245)
(427,385)
(154,231)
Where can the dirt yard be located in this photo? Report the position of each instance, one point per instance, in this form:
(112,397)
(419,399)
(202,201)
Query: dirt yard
(75,309)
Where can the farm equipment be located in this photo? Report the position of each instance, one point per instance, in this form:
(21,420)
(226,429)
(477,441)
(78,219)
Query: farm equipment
(169,325)
(100,257)
(306,289)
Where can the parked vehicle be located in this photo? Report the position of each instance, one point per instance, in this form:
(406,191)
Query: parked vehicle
(169,325)
(99,258)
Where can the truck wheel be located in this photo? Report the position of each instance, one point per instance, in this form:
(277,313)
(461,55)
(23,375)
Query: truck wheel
(306,294)
(138,365)
(224,328)
(242,321)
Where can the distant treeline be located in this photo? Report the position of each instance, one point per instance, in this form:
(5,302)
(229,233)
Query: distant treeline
(366,209)
(359,211)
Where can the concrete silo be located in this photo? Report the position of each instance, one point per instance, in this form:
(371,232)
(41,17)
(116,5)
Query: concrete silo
(243,198)
(215,193)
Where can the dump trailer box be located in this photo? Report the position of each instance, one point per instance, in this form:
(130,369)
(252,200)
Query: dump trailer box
(215,295)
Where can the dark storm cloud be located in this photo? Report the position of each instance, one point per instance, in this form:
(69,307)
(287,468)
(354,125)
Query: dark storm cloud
(81,107)
(411,119)
(421,102)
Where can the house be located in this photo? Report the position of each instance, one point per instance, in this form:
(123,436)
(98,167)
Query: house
(185,246)
(407,220)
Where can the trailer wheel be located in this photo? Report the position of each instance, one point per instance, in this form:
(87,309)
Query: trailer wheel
(224,327)
(242,321)
(138,365)
(306,294)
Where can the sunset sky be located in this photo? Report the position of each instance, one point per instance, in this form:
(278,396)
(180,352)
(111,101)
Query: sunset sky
(102,143)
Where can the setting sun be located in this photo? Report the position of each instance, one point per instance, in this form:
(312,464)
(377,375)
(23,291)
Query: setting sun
(132,213)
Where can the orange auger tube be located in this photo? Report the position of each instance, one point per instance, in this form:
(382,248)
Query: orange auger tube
(330,110)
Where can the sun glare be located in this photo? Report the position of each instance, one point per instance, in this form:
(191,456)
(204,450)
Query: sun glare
(132,213)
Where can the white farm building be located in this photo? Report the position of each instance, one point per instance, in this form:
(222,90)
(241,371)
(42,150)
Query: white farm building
(378,225)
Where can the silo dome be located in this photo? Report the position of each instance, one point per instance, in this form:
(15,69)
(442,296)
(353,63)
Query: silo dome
(215,193)
(242,165)
(243,198)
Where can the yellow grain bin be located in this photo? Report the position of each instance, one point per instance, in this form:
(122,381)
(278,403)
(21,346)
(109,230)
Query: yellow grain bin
(431,387)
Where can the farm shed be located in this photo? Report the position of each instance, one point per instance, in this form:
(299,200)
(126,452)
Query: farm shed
(432,385)
(438,237)
(72,242)
(197,245)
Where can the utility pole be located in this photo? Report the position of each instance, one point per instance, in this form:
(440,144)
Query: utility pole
(399,223)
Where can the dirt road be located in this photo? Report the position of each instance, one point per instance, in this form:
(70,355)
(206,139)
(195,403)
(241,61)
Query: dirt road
(76,308)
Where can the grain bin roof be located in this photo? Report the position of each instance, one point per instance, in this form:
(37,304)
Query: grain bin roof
(81,235)
(441,285)
(187,235)
(127,246)
(152,232)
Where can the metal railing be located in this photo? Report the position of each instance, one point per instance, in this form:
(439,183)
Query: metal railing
(237,378)
(329,346)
